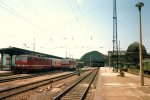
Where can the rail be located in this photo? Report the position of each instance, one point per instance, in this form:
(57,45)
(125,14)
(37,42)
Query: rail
(7,92)
(90,76)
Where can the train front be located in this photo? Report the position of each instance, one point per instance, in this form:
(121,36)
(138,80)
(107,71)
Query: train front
(21,63)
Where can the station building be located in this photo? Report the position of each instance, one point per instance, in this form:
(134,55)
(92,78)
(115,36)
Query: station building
(129,57)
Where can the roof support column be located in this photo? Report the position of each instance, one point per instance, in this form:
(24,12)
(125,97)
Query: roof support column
(11,62)
(2,61)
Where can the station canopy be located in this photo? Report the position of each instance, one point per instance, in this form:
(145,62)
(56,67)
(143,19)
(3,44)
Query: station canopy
(18,51)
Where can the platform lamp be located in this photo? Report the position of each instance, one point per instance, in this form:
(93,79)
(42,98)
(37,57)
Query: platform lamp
(139,6)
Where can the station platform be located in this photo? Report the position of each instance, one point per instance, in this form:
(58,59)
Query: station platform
(110,86)
(4,73)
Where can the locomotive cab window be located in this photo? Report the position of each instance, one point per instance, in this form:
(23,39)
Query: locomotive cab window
(21,58)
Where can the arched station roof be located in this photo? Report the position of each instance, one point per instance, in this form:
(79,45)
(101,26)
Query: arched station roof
(93,56)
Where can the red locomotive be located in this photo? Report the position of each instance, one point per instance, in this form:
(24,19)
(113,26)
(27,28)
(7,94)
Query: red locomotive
(27,63)
(30,63)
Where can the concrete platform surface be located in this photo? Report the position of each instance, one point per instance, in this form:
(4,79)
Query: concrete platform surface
(3,73)
(110,86)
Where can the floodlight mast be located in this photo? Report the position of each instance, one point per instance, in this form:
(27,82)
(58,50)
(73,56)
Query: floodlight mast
(139,6)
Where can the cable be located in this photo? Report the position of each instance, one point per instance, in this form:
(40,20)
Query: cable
(88,12)
(19,15)
(27,5)
(77,20)
(73,10)
(129,29)
(93,9)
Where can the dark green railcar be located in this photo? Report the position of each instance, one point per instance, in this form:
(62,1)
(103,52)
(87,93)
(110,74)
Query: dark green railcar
(146,64)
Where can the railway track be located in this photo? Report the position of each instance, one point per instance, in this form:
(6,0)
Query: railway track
(9,91)
(21,76)
(16,77)
(79,89)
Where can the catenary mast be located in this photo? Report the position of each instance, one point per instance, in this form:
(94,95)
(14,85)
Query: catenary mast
(115,41)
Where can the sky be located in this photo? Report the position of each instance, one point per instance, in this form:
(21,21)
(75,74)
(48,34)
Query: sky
(71,27)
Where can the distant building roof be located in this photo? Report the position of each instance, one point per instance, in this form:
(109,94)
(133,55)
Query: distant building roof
(134,47)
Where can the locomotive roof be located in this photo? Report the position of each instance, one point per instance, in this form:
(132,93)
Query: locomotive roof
(19,51)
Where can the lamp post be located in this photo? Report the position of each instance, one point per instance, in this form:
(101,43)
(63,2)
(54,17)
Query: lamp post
(139,6)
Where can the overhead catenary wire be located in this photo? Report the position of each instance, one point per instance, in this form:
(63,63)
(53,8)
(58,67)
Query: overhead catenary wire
(27,5)
(77,20)
(35,11)
(16,13)
(83,14)
(86,13)
(73,11)
(19,15)
(129,28)
(85,26)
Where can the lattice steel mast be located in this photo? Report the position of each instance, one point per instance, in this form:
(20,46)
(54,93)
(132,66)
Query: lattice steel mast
(115,41)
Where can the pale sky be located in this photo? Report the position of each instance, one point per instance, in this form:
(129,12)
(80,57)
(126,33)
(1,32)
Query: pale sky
(72,26)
